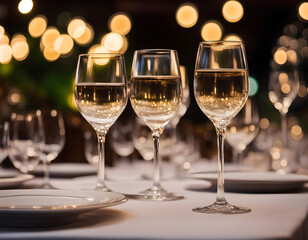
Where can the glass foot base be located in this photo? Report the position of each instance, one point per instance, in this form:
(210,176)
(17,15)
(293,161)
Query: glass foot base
(157,193)
(224,208)
(102,188)
(47,186)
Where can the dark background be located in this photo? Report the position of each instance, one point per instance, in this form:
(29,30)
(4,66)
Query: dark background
(47,84)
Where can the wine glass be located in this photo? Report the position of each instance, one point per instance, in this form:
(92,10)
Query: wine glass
(143,140)
(156,95)
(90,147)
(101,96)
(221,89)
(243,129)
(185,98)
(283,87)
(4,140)
(54,140)
(26,141)
(122,138)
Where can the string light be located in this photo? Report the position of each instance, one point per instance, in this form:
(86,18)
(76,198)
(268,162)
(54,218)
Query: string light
(232,11)
(49,37)
(112,41)
(37,26)
(303,11)
(25,6)
(63,44)
(211,31)
(187,15)
(120,23)
(76,28)
(86,37)
(5,53)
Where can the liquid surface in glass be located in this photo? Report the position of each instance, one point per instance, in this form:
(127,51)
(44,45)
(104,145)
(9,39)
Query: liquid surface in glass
(156,99)
(221,93)
(100,103)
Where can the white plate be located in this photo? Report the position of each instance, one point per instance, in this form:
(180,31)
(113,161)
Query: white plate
(14,180)
(45,208)
(256,181)
(67,169)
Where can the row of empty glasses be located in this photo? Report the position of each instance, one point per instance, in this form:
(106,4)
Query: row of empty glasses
(33,137)
(221,87)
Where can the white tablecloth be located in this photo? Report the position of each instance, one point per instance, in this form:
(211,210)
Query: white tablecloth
(273,216)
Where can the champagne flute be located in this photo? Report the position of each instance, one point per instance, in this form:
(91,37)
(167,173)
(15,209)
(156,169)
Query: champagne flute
(156,95)
(243,129)
(54,141)
(101,96)
(26,141)
(221,89)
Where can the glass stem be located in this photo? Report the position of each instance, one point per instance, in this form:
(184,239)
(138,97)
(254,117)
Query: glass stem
(46,181)
(284,127)
(101,136)
(156,173)
(220,180)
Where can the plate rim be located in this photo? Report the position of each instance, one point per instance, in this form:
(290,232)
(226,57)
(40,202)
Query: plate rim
(249,181)
(19,178)
(64,193)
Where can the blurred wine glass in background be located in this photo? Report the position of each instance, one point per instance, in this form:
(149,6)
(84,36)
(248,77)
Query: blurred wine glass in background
(54,140)
(243,129)
(90,147)
(282,90)
(122,139)
(4,140)
(283,87)
(26,141)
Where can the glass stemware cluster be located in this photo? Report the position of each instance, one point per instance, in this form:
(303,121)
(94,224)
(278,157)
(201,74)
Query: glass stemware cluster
(33,137)
(221,89)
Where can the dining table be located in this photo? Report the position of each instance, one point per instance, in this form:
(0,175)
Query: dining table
(274,215)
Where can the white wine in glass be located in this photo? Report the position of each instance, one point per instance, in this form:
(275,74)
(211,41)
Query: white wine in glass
(156,96)
(221,89)
(101,96)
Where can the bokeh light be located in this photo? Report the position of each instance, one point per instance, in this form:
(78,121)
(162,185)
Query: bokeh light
(120,23)
(292,56)
(37,26)
(5,53)
(4,40)
(18,38)
(76,28)
(125,45)
(211,31)
(280,56)
(264,123)
(50,54)
(187,15)
(49,37)
(303,11)
(302,90)
(86,37)
(232,37)
(113,42)
(232,11)
(63,44)
(297,132)
(99,49)
(254,86)
(20,50)
(25,6)
(2,31)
